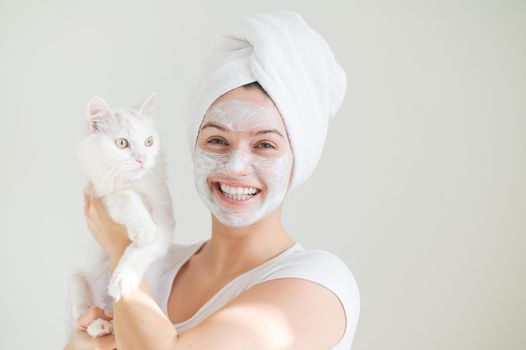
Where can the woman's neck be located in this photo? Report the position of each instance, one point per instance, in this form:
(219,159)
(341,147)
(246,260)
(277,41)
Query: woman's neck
(235,249)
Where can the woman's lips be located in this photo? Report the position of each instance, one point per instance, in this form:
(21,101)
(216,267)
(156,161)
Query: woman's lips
(216,189)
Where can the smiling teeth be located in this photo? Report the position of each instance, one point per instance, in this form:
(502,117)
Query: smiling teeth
(238,193)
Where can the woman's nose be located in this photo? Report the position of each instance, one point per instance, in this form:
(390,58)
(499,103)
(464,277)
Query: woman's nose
(238,164)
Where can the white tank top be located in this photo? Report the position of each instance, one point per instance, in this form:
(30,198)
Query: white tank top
(318,266)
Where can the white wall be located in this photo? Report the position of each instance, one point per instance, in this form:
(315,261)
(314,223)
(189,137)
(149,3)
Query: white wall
(421,188)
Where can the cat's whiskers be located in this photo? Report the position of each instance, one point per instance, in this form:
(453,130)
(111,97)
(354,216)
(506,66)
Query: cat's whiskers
(114,185)
(108,174)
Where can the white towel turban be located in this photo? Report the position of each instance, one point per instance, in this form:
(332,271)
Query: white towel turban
(294,65)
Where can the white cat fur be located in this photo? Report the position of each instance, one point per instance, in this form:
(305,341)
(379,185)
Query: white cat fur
(140,200)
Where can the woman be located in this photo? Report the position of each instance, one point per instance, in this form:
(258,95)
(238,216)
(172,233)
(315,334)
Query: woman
(257,126)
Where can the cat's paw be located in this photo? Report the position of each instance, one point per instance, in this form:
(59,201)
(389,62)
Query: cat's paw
(122,283)
(100,327)
(143,235)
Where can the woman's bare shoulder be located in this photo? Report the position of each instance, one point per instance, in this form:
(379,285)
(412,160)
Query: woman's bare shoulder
(276,314)
(283,306)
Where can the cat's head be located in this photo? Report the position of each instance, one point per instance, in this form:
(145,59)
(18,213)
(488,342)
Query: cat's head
(121,142)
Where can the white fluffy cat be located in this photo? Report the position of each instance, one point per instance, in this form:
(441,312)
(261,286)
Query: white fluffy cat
(125,166)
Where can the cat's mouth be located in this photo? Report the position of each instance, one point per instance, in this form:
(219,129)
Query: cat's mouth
(138,171)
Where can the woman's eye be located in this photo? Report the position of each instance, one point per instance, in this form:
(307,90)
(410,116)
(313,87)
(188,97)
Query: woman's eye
(121,143)
(216,141)
(265,145)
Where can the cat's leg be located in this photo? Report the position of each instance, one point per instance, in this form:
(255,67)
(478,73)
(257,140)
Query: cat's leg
(80,294)
(161,209)
(126,207)
(132,266)
(99,328)
(89,288)
(100,276)
(82,298)
(136,259)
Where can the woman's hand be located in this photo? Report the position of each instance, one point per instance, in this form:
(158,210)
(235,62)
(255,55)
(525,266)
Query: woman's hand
(83,341)
(112,237)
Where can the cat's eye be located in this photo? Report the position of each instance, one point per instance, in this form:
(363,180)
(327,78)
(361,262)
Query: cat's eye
(149,141)
(121,143)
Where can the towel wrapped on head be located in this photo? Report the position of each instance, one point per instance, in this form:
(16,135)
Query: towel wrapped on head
(293,64)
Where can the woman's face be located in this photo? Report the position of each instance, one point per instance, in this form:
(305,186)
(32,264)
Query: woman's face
(242,158)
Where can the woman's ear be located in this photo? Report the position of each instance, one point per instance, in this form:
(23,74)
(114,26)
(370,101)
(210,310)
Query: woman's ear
(96,113)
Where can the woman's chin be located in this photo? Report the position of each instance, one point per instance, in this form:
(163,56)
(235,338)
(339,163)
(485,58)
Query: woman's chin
(235,221)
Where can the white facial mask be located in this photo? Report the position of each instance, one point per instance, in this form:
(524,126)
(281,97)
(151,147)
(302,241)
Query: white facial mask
(271,174)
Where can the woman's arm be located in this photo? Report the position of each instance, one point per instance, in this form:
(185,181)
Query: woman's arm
(138,321)
(286,313)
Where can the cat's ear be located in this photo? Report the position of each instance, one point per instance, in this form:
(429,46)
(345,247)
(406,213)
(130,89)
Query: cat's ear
(146,108)
(97,112)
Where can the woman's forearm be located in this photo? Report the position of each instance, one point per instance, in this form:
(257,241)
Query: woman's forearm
(139,323)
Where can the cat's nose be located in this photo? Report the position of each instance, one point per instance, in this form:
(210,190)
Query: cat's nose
(140,160)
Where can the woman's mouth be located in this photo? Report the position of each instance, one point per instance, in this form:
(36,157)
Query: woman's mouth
(235,194)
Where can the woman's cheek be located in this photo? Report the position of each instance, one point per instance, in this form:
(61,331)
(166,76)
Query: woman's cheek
(205,164)
(275,172)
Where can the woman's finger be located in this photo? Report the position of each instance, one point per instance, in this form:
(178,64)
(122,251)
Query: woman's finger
(106,342)
(93,313)
(98,206)
(87,200)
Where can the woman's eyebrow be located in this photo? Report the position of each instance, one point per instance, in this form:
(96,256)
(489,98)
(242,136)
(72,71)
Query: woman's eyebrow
(214,125)
(261,132)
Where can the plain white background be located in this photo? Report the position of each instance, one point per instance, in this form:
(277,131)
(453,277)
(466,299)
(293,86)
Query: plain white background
(421,187)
